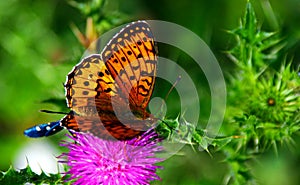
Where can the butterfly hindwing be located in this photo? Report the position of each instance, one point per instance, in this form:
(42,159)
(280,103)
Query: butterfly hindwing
(104,127)
(88,79)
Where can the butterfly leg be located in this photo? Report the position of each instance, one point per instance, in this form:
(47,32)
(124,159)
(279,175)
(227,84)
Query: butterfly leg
(45,129)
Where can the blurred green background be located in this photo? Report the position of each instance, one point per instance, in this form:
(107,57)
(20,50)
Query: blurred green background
(38,49)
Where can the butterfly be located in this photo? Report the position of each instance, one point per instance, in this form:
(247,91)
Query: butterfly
(108,93)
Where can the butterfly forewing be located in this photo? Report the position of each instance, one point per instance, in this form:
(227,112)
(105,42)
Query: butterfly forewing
(131,57)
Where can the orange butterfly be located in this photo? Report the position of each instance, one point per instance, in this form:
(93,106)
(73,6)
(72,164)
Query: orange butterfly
(108,93)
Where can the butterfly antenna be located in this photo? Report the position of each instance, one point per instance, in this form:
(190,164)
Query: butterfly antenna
(171,89)
(53,112)
(173,86)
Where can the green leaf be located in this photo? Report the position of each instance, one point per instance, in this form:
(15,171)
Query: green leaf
(250,23)
(26,175)
(255,49)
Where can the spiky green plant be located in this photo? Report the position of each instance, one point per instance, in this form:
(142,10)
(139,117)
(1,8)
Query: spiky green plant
(263,102)
(26,175)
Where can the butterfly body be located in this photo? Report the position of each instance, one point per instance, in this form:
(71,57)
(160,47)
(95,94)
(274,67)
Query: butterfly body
(108,93)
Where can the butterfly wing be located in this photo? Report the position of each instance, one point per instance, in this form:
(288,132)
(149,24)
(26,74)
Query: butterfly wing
(128,70)
(107,129)
(88,80)
(131,58)
(96,90)
(89,88)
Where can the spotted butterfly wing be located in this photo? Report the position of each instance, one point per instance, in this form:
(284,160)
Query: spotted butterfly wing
(108,93)
(131,59)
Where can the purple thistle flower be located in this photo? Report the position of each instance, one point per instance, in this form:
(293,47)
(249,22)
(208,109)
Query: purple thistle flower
(96,161)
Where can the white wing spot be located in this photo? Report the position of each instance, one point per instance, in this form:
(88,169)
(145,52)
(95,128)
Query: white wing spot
(48,128)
